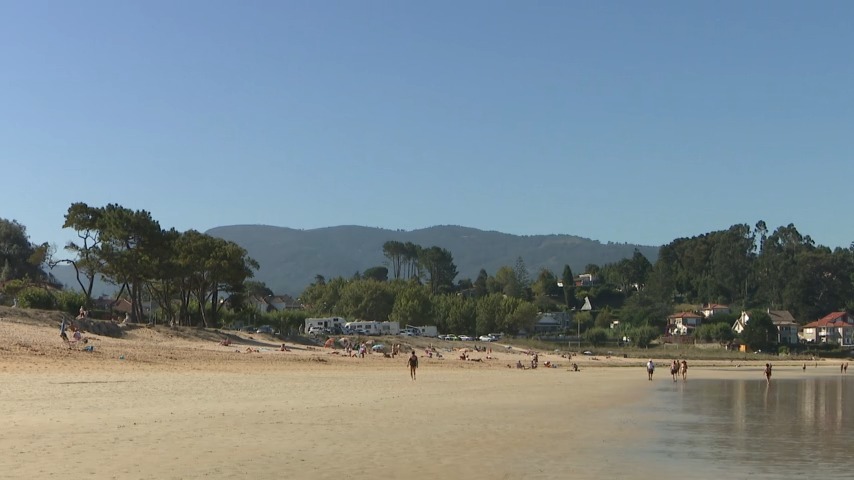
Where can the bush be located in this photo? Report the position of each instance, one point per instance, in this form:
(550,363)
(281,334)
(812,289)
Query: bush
(643,336)
(34,297)
(70,301)
(596,336)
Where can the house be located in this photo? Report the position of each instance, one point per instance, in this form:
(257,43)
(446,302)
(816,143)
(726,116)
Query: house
(710,309)
(551,321)
(836,327)
(585,280)
(273,303)
(683,323)
(787,327)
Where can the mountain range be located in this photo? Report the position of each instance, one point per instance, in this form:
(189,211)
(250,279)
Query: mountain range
(291,258)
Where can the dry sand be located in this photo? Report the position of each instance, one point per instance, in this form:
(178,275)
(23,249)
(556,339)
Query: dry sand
(169,403)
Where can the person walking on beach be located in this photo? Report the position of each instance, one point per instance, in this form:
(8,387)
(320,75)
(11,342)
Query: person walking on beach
(684,370)
(674,370)
(768,372)
(650,368)
(413,364)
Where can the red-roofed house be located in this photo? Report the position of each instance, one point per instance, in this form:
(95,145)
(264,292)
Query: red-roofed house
(836,327)
(683,323)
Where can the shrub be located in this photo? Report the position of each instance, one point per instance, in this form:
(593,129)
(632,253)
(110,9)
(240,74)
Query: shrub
(34,297)
(70,301)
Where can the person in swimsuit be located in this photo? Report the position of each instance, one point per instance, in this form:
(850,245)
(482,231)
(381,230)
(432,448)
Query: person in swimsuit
(684,370)
(674,369)
(413,364)
(768,372)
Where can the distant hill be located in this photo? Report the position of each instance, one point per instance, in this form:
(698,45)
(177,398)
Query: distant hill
(290,259)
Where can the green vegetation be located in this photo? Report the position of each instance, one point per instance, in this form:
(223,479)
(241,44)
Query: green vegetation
(198,279)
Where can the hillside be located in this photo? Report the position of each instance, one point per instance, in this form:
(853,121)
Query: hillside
(290,259)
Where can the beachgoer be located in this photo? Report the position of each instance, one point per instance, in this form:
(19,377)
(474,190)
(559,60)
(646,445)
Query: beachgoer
(684,370)
(63,327)
(845,368)
(413,364)
(650,368)
(674,369)
(805,367)
(768,372)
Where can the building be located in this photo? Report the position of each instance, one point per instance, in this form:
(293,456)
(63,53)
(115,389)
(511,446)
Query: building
(836,328)
(784,322)
(683,323)
(787,327)
(710,309)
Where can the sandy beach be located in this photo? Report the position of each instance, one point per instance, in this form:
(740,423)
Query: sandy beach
(168,403)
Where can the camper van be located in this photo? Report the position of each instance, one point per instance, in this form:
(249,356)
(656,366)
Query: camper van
(363,328)
(424,331)
(328,324)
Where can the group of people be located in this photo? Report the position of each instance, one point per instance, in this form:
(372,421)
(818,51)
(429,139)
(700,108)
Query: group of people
(679,368)
(76,336)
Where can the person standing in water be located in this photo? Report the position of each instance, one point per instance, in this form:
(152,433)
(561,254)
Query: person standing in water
(768,372)
(650,368)
(413,364)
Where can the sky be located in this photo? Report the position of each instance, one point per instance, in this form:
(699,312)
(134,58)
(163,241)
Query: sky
(637,122)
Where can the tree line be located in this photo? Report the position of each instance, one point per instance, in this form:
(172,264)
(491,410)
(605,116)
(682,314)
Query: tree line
(170,269)
(744,267)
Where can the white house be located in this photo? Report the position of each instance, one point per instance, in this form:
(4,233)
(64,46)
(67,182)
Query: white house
(714,308)
(836,327)
(683,323)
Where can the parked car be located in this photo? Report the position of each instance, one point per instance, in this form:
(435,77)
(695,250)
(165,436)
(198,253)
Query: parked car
(316,331)
(378,347)
(265,329)
(466,338)
(486,338)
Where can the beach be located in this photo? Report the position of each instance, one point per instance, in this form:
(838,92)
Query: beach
(163,403)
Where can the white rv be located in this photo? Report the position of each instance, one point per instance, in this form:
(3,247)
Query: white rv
(424,331)
(363,328)
(328,324)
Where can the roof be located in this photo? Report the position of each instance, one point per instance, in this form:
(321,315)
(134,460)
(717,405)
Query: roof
(715,306)
(835,319)
(685,315)
(782,317)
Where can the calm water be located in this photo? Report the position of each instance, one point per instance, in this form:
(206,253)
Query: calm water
(749,429)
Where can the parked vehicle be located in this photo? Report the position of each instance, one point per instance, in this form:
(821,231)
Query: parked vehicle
(486,338)
(466,338)
(316,331)
(265,329)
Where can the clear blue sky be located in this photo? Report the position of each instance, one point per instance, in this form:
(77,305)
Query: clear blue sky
(628,121)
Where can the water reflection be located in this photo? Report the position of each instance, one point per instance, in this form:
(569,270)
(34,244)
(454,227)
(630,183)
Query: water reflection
(751,428)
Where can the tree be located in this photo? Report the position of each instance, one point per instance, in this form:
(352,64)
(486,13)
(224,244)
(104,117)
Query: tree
(643,336)
(19,258)
(480,284)
(256,288)
(568,282)
(596,336)
(438,263)
(395,252)
(379,274)
(412,306)
(86,254)
(546,284)
(759,332)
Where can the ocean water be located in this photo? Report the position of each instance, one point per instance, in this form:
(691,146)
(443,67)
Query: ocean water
(747,428)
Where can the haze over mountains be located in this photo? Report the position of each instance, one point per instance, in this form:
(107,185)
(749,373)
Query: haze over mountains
(290,258)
